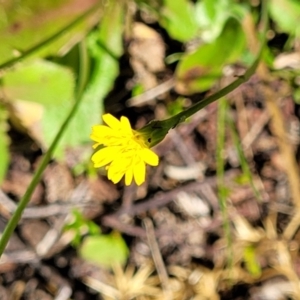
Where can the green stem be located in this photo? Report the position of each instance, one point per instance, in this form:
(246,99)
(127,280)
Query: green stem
(13,222)
(232,86)
(243,161)
(220,162)
(51,39)
(159,129)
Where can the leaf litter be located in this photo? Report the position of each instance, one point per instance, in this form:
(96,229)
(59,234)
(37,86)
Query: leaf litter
(184,254)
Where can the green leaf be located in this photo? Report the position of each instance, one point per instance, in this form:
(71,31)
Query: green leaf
(27,23)
(296,95)
(105,46)
(4,141)
(52,87)
(48,85)
(286,14)
(80,226)
(176,106)
(104,250)
(178,18)
(251,262)
(198,71)
(39,81)
(211,16)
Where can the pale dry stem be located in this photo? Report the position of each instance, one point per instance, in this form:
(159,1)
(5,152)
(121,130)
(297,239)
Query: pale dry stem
(278,128)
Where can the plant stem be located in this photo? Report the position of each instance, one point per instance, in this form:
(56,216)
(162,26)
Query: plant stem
(13,222)
(160,128)
(243,161)
(220,162)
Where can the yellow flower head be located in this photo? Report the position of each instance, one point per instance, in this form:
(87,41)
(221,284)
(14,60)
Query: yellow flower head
(124,152)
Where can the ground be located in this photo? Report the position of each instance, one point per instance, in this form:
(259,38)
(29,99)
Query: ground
(216,219)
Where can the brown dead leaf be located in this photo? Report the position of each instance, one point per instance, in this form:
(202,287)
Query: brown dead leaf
(287,60)
(33,231)
(147,52)
(59,182)
(103,191)
(98,192)
(26,115)
(16,183)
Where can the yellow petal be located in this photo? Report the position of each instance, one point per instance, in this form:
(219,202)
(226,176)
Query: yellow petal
(111,121)
(149,157)
(126,127)
(115,175)
(139,172)
(128,176)
(102,130)
(104,156)
(101,133)
(123,150)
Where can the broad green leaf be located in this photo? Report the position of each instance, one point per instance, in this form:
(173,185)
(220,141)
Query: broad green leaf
(111,29)
(4,141)
(104,250)
(38,91)
(105,46)
(24,24)
(211,16)
(42,92)
(286,14)
(178,18)
(39,81)
(198,71)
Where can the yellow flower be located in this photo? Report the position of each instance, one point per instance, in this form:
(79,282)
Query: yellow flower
(124,152)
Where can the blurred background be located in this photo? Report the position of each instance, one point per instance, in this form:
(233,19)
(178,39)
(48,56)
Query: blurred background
(219,217)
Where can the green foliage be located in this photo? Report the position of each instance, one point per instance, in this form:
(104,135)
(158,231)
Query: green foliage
(176,106)
(104,46)
(39,81)
(242,179)
(105,250)
(80,226)
(296,95)
(27,23)
(251,262)
(4,151)
(102,249)
(198,71)
(223,191)
(212,16)
(178,18)
(286,14)
(52,86)
(247,176)
(137,90)
(205,19)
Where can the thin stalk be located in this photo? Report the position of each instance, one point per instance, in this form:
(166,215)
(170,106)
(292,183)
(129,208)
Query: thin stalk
(242,159)
(226,90)
(160,128)
(13,222)
(222,191)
